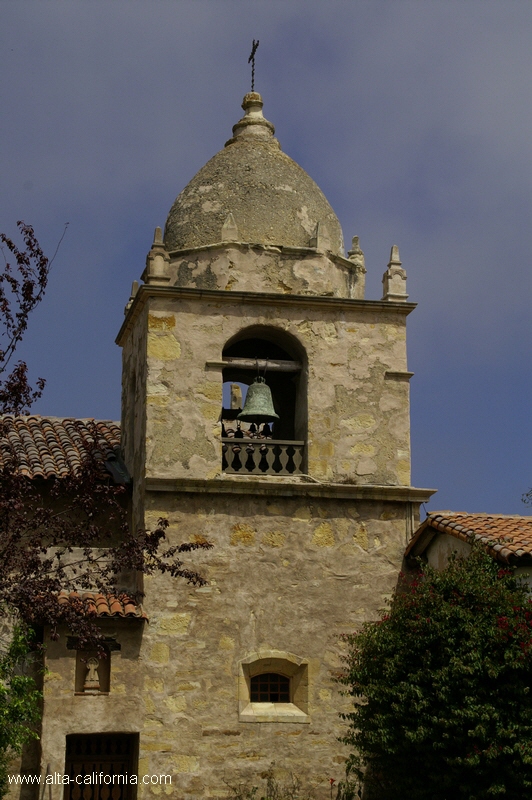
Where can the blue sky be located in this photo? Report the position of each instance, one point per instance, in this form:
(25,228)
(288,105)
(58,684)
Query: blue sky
(413,117)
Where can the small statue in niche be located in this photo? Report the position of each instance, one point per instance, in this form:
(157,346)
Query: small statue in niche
(92,680)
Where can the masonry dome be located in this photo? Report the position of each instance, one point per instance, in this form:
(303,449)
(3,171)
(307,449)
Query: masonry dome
(255,192)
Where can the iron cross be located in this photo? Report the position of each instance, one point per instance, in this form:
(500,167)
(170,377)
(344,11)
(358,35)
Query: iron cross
(252,60)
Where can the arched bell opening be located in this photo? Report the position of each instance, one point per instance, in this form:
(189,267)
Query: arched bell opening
(265,402)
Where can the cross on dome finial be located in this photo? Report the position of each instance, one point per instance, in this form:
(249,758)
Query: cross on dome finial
(251,60)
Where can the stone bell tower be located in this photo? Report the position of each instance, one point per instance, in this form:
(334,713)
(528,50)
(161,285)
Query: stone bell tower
(309,515)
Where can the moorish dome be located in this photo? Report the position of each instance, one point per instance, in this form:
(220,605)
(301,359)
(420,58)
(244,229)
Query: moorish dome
(272,200)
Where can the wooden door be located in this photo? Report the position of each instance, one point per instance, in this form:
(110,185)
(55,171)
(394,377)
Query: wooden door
(99,766)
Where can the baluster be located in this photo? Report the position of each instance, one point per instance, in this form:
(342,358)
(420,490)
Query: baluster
(257,458)
(263,461)
(276,466)
(283,459)
(248,463)
(298,458)
(230,459)
(270,457)
(225,465)
(236,463)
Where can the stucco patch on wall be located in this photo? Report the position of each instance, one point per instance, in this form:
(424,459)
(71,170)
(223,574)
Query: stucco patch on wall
(161,322)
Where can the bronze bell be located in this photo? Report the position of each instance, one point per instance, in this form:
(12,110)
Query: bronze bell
(259,404)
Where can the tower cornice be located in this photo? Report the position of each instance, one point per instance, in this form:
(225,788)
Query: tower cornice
(219,296)
(290,487)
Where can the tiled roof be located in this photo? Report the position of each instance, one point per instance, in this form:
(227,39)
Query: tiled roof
(100,605)
(46,447)
(507,537)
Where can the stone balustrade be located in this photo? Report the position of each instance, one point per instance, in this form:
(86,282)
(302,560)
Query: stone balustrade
(262,456)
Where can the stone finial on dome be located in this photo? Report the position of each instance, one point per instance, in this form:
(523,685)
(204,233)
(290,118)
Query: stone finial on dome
(356,255)
(395,260)
(394,279)
(134,290)
(358,275)
(157,261)
(320,239)
(253,124)
(229,229)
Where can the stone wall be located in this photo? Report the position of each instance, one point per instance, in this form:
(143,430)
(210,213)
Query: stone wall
(358,401)
(133,424)
(258,268)
(288,575)
(297,561)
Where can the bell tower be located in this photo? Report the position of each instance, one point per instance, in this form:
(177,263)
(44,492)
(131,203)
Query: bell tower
(302,486)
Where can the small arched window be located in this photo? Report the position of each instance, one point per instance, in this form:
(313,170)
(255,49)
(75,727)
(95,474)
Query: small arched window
(273,687)
(270,687)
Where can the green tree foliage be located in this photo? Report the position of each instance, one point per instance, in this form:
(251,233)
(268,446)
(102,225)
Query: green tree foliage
(20,699)
(441,687)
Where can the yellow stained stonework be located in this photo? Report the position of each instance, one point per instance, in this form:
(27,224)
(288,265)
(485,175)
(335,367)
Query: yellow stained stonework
(403,472)
(176,703)
(274,538)
(242,534)
(157,400)
(163,347)
(211,389)
(153,684)
(209,411)
(323,535)
(363,448)
(360,535)
(175,624)
(160,653)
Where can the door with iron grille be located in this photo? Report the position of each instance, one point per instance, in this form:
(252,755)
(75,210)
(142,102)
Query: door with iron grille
(100,765)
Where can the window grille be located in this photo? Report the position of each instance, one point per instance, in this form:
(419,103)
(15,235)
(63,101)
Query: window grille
(270,688)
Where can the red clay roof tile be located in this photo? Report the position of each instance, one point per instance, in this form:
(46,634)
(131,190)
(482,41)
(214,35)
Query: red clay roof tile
(46,447)
(99,605)
(507,537)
